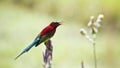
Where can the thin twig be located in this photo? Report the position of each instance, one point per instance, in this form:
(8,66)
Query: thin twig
(94,52)
(82,64)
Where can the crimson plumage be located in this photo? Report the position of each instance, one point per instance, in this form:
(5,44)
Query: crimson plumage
(47,30)
(43,36)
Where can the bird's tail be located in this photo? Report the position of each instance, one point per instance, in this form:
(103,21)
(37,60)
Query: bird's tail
(27,48)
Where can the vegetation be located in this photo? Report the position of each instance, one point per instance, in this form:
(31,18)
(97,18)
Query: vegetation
(21,20)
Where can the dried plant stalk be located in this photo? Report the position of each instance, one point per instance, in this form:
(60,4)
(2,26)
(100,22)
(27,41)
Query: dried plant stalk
(47,55)
(93,29)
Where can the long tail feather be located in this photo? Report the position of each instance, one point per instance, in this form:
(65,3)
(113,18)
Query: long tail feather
(27,48)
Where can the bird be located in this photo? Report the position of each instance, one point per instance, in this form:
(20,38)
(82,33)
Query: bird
(46,34)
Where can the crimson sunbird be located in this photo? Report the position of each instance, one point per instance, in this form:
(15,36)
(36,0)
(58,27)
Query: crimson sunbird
(43,36)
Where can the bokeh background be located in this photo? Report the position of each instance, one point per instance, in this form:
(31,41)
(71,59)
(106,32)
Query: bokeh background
(22,20)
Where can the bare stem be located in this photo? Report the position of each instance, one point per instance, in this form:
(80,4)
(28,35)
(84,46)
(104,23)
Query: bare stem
(94,52)
(82,64)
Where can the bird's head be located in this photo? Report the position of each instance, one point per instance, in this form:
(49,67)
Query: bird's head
(55,24)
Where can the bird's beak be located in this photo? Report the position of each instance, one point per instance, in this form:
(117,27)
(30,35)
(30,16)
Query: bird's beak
(60,24)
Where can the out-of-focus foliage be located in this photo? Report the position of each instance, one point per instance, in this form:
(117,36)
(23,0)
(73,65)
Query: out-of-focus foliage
(21,21)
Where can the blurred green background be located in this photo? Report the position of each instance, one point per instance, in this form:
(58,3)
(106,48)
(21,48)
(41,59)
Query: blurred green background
(22,20)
